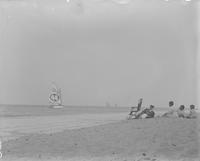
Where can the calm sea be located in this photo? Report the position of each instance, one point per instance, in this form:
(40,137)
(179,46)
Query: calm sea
(33,110)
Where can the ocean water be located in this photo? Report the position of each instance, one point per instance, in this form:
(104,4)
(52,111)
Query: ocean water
(31,110)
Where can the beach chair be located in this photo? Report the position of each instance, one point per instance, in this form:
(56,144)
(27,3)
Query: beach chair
(134,110)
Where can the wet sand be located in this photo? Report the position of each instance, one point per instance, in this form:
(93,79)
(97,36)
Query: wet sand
(14,127)
(156,139)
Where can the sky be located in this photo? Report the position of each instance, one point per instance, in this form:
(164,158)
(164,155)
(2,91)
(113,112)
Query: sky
(98,51)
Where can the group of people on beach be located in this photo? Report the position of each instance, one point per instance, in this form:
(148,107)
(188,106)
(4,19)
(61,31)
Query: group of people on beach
(180,112)
(137,112)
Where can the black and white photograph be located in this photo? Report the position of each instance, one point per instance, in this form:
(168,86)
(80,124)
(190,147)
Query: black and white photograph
(99,80)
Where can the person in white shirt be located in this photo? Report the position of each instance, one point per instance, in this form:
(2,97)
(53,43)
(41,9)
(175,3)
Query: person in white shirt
(181,111)
(172,112)
(192,114)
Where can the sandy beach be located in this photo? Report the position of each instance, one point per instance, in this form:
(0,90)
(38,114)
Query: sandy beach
(159,139)
(14,127)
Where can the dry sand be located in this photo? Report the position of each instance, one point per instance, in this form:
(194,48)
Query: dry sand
(156,139)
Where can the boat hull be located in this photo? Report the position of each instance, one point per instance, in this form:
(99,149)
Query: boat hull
(56,106)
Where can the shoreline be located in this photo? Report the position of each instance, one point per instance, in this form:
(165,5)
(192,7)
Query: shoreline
(15,127)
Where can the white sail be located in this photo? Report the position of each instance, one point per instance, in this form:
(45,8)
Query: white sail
(55,96)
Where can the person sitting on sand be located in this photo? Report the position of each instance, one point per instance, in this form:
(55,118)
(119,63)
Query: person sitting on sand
(192,114)
(146,113)
(181,111)
(172,112)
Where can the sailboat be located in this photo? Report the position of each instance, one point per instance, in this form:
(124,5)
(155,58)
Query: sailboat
(55,97)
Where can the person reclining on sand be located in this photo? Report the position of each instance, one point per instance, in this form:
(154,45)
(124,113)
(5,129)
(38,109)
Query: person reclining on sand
(192,114)
(172,112)
(181,111)
(146,113)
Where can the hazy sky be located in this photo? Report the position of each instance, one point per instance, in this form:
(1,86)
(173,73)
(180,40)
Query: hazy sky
(98,51)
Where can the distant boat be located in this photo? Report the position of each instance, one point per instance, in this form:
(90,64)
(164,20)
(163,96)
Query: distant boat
(55,97)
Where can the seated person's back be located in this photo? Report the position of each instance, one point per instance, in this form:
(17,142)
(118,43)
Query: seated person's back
(192,113)
(181,112)
(172,112)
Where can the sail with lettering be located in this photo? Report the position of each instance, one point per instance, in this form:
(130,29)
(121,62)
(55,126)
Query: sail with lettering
(55,97)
